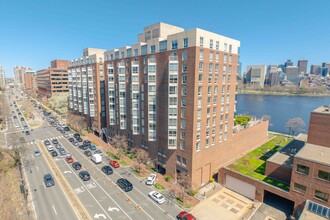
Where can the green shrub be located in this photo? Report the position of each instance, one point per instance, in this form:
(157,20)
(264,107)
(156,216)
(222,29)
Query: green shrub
(192,192)
(159,187)
(131,156)
(167,177)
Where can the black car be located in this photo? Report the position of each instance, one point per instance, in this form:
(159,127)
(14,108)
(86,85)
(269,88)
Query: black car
(84,175)
(66,129)
(88,153)
(58,146)
(76,165)
(62,131)
(27,133)
(76,135)
(14,117)
(107,170)
(55,141)
(49,181)
(59,129)
(22,119)
(79,139)
(19,113)
(71,139)
(124,184)
(53,153)
(87,142)
(46,142)
(83,147)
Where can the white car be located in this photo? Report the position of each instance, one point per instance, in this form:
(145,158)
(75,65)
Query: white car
(37,153)
(17,126)
(157,197)
(151,179)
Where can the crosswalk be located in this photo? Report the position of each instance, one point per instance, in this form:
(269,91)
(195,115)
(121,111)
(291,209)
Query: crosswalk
(57,137)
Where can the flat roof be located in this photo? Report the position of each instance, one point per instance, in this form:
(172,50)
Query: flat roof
(325,109)
(286,154)
(315,153)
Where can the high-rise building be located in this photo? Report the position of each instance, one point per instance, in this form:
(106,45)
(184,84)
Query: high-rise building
(325,69)
(2,75)
(255,75)
(87,89)
(53,80)
(315,69)
(292,74)
(19,72)
(173,94)
(302,66)
(28,79)
(288,63)
(272,75)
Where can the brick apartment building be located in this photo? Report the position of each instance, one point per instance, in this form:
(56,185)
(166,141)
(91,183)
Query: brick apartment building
(28,75)
(87,89)
(53,80)
(304,164)
(173,94)
(19,72)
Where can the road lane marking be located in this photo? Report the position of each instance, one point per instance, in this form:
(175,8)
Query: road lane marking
(97,216)
(67,171)
(91,185)
(113,209)
(79,190)
(54,209)
(37,168)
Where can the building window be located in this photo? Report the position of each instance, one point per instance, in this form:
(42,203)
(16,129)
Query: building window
(185,55)
(225,47)
(198,147)
(136,52)
(216,57)
(201,41)
(183,112)
(323,175)
(200,78)
(182,145)
(185,42)
(183,102)
(200,90)
(209,90)
(198,136)
(207,143)
(199,103)
(198,125)
(321,195)
(152,49)
(183,90)
(211,56)
(299,188)
(302,169)
(210,67)
(184,161)
(184,78)
(217,45)
(211,44)
(230,48)
(201,64)
(178,159)
(201,54)
(174,44)
(199,113)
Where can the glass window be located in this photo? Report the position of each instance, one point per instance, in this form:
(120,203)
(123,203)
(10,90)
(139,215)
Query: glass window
(163,45)
(178,159)
(201,41)
(210,67)
(302,169)
(184,78)
(197,146)
(185,42)
(198,135)
(200,90)
(182,145)
(173,90)
(174,44)
(201,64)
(300,188)
(216,57)
(230,48)
(217,45)
(183,112)
(199,102)
(184,67)
(211,43)
(152,49)
(321,195)
(200,78)
(184,90)
(199,113)
(201,54)
(183,101)
(185,55)
(136,52)
(209,90)
(225,47)
(211,56)
(323,175)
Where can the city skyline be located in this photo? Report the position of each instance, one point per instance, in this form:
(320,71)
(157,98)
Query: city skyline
(56,34)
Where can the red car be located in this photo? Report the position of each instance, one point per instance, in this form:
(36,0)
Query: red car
(114,163)
(69,159)
(185,216)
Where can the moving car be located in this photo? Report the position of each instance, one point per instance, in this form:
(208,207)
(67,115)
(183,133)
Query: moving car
(84,175)
(185,216)
(151,179)
(96,158)
(92,147)
(49,181)
(114,163)
(88,153)
(69,159)
(107,170)
(76,165)
(156,196)
(37,153)
(124,184)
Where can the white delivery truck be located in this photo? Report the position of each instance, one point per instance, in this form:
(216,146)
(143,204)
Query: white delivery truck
(97,158)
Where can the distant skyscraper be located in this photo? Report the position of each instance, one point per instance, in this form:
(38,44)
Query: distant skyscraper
(19,72)
(255,75)
(315,69)
(272,75)
(325,68)
(2,75)
(292,73)
(288,63)
(302,66)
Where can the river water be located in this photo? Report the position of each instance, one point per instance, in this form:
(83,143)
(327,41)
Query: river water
(279,108)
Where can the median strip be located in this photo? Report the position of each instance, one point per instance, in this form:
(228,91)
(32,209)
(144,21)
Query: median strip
(68,191)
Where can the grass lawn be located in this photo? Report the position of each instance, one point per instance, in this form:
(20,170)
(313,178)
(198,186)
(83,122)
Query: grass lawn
(123,162)
(113,156)
(254,163)
(159,187)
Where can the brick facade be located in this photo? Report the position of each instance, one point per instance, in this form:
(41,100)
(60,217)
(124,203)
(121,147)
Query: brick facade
(278,171)
(319,127)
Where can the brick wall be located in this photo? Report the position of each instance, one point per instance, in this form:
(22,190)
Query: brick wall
(278,172)
(319,127)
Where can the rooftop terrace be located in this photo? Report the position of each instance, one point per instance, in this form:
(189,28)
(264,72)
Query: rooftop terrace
(254,163)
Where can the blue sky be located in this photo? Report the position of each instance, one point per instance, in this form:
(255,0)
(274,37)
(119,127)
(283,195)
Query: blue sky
(32,33)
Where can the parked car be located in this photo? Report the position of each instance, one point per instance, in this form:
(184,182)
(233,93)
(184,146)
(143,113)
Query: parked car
(88,153)
(66,129)
(69,159)
(66,135)
(47,142)
(22,119)
(75,143)
(92,147)
(87,142)
(26,127)
(114,163)
(62,131)
(84,175)
(17,126)
(49,181)
(27,132)
(156,196)
(76,135)
(185,216)
(58,146)
(124,184)
(107,170)
(79,139)
(151,179)
(55,141)
(76,165)
(98,152)
(96,158)
(62,151)
(71,139)
(59,129)
(37,153)
(83,147)
(53,153)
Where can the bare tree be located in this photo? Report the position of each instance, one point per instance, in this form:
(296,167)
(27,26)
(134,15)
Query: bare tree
(184,182)
(142,157)
(294,125)
(120,143)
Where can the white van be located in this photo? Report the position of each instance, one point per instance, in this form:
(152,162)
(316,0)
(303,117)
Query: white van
(96,158)
(50,148)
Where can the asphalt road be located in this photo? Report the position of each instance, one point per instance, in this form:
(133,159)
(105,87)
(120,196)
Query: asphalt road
(48,202)
(101,196)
